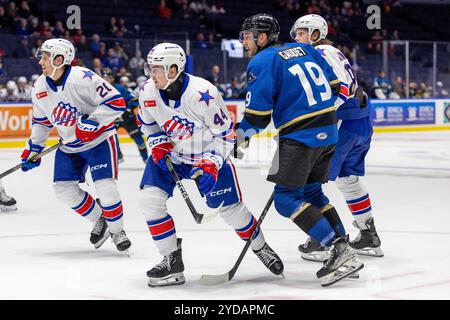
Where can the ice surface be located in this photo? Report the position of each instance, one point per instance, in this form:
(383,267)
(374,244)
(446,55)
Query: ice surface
(45,251)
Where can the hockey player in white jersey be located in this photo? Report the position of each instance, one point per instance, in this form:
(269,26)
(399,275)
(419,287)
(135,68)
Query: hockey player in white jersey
(355,132)
(82,107)
(7,203)
(185,118)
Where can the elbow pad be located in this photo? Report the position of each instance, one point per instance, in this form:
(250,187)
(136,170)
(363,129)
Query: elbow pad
(335,87)
(259,121)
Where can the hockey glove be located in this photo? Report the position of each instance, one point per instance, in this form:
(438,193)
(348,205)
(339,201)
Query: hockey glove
(29,152)
(362,97)
(87,129)
(206,171)
(241,143)
(160,147)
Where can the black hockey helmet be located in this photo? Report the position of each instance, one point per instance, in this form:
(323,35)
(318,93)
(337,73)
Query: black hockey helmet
(259,23)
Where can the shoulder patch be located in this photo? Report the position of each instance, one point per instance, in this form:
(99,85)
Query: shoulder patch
(150,103)
(251,77)
(41,95)
(292,53)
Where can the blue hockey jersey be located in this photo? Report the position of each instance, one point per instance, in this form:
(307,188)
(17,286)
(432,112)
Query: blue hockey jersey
(291,83)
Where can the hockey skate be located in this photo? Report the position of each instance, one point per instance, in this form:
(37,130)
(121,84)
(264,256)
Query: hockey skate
(6,202)
(367,242)
(341,264)
(312,250)
(169,271)
(121,240)
(270,259)
(100,233)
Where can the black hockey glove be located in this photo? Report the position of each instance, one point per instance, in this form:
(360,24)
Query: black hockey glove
(241,143)
(362,97)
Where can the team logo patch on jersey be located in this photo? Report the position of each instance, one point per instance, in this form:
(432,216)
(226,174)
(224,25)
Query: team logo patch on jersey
(64,115)
(149,103)
(292,53)
(41,95)
(179,128)
(251,77)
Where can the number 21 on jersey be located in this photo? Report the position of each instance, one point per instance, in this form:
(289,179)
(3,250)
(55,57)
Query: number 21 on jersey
(319,81)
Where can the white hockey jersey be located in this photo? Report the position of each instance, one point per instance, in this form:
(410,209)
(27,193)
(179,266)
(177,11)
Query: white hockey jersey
(343,70)
(82,92)
(197,123)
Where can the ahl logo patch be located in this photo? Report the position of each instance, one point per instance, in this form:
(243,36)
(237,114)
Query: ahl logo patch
(64,115)
(41,95)
(322,136)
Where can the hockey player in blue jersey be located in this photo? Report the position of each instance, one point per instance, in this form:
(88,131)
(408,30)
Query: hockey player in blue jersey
(355,132)
(293,85)
(128,119)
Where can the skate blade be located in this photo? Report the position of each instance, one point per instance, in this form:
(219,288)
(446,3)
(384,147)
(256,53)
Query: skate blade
(349,267)
(170,280)
(315,256)
(371,252)
(8,208)
(102,240)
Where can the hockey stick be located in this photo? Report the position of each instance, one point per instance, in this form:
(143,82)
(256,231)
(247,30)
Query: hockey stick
(35,157)
(198,217)
(217,279)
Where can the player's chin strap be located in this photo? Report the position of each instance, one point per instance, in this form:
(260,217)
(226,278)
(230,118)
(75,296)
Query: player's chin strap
(171,81)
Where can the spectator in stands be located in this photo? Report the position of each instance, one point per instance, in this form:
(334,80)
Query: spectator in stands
(236,89)
(122,30)
(214,77)
(137,64)
(424,91)
(11,12)
(34,28)
(83,45)
(22,29)
(413,90)
(24,10)
(23,90)
(111,60)
(313,8)
(46,30)
(382,86)
(36,45)
(217,8)
(440,91)
(398,87)
(58,30)
(10,93)
(119,51)
(123,72)
(94,45)
(23,49)
(4,20)
(163,11)
(201,43)
(97,66)
(112,26)
(33,79)
(77,36)
(375,44)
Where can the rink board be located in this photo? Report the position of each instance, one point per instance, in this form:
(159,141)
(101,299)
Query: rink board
(404,115)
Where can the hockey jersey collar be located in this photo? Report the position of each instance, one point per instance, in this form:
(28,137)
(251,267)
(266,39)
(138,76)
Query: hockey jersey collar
(52,84)
(164,97)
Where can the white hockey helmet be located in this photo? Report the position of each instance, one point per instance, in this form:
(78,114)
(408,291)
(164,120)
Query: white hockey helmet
(311,22)
(166,55)
(57,47)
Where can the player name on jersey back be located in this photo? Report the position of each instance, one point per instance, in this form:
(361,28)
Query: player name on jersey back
(292,53)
